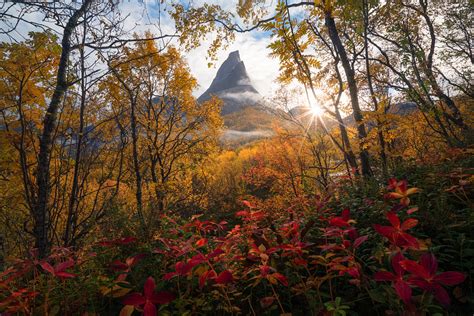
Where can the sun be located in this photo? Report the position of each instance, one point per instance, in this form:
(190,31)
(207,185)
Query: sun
(316,110)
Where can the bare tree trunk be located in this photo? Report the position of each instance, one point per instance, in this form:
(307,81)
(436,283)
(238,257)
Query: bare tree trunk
(136,163)
(304,67)
(72,216)
(353,91)
(348,153)
(41,210)
(133,97)
(158,192)
(381,138)
(346,145)
(428,65)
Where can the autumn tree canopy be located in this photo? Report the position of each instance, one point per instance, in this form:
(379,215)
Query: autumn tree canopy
(346,190)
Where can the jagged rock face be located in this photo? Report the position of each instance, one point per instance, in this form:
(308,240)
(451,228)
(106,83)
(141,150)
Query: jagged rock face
(232,84)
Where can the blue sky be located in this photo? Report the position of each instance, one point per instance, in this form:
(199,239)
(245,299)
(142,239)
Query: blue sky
(144,15)
(252,46)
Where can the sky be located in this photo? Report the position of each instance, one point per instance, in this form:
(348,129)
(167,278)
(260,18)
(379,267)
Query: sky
(145,14)
(262,69)
(253,50)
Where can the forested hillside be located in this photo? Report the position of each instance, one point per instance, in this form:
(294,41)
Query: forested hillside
(347,191)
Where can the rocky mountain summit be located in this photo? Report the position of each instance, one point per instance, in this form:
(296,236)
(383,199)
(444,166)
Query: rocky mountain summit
(233,86)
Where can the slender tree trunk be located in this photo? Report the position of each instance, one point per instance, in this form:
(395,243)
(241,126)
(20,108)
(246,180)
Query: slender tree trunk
(456,117)
(353,91)
(29,191)
(158,193)
(72,216)
(136,163)
(41,210)
(133,97)
(383,156)
(346,145)
(348,153)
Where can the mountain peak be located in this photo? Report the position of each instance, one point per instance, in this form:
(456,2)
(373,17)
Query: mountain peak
(233,85)
(235,54)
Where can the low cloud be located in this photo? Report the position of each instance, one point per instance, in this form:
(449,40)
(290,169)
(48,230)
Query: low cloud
(242,97)
(244,82)
(233,135)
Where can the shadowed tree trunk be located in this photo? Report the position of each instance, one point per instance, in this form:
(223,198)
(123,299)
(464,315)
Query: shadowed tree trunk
(383,156)
(72,207)
(353,91)
(41,209)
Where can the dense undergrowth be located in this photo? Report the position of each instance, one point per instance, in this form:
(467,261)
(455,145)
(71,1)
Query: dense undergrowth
(406,247)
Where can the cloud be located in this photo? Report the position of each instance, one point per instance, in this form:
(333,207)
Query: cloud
(242,97)
(233,135)
(244,82)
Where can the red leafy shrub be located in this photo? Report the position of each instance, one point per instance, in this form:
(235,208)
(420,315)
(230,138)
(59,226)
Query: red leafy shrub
(293,260)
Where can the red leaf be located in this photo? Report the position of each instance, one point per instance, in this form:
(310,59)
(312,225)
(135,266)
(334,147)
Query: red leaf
(281,278)
(384,276)
(412,210)
(125,240)
(247,203)
(403,291)
(300,262)
(346,213)
(265,270)
(267,301)
(206,276)
(47,267)
(385,231)
(105,243)
(396,263)
(352,233)
(421,283)
(162,297)
(149,309)
(149,287)
(392,183)
(256,216)
(201,242)
(215,253)
(242,213)
(135,299)
(338,222)
(409,223)
(403,185)
(408,240)
(131,261)
(117,265)
(65,275)
(353,272)
(360,240)
(168,276)
(393,219)
(224,277)
(64,265)
(441,295)
(450,278)
(429,262)
(197,259)
(415,268)
(182,268)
